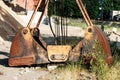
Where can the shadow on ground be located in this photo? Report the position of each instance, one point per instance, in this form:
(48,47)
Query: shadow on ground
(4,61)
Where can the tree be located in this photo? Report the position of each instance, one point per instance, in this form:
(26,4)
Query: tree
(92,7)
(116,4)
(66,8)
(69,8)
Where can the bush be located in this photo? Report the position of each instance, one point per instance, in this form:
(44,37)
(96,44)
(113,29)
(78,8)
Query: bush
(66,8)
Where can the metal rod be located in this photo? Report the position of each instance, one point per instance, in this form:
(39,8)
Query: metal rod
(58,30)
(33,15)
(61,31)
(91,24)
(43,12)
(66,30)
(84,12)
(52,28)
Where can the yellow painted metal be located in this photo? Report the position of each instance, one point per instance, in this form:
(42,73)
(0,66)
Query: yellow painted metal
(58,53)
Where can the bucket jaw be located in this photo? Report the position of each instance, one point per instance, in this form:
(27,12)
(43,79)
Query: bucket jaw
(28,48)
(85,46)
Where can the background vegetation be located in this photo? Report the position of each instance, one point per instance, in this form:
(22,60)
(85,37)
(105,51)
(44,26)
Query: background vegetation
(69,8)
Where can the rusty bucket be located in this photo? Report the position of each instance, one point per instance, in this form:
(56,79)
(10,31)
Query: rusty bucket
(28,47)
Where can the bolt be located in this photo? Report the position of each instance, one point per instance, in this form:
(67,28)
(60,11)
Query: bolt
(25,31)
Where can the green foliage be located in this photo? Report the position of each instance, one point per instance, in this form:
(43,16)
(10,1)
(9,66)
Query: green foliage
(116,4)
(77,22)
(50,9)
(69,8)
(99,66)
(114,69)
(66,8)
(107,7)
(72,9)
(92,7)
(101,69)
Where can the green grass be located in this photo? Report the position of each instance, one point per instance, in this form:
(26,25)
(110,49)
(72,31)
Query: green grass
(100,68)
(97,70)
(77,22)
(81,23)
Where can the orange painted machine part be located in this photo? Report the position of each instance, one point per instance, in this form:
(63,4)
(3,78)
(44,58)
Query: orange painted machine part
(18,48)
(92,33)
(104,44)
(27,48)
(99,34)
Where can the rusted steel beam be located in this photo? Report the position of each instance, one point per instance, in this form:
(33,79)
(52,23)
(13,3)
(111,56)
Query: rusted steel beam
(34,13)
(43,12)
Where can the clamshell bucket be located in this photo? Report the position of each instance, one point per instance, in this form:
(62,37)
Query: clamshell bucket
(84,47)
(96,32)
(27,48)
